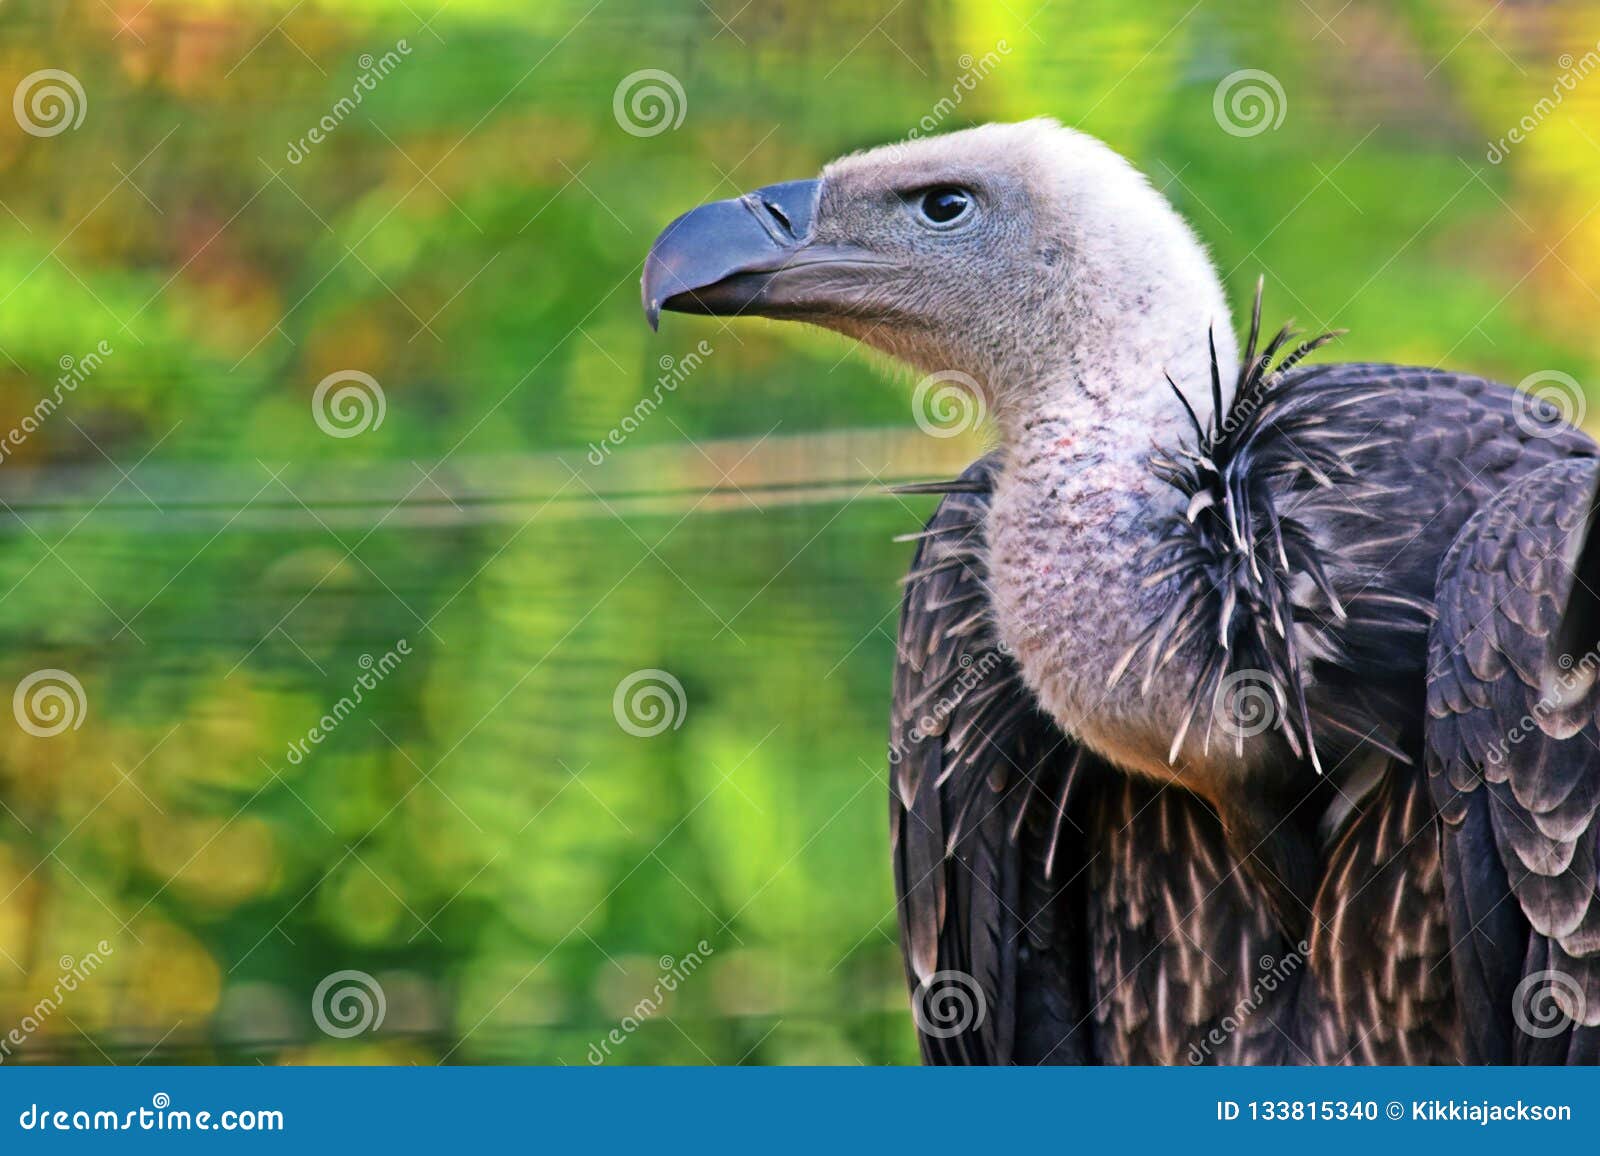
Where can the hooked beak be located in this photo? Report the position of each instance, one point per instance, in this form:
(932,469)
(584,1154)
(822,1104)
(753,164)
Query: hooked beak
(753,254)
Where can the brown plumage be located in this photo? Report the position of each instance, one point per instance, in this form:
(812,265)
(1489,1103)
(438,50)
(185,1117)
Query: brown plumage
(1172,913)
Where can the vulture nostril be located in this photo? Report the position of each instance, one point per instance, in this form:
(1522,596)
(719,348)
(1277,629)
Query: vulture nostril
(781,217)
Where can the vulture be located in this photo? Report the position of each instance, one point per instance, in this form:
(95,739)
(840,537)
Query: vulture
(1244,709)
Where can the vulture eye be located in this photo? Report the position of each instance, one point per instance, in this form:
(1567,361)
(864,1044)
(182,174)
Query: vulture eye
(944,205)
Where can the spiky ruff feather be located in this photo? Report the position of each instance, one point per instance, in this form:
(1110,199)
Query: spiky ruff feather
(1254,596)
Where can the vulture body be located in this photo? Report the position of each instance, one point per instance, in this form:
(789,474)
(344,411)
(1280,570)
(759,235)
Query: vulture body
(1240,713)
(1111,917)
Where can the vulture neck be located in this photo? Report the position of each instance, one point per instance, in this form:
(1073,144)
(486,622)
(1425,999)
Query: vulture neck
(1077,513)
(1110,372)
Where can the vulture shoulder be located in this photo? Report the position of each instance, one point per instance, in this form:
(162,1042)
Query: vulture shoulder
(1513,757)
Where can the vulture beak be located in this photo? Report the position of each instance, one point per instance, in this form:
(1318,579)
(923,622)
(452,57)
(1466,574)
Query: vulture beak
(753,254)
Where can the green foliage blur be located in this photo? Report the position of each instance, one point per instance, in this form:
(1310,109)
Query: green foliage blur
(479,834)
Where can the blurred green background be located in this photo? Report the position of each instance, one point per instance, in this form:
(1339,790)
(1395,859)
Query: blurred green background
(513,868)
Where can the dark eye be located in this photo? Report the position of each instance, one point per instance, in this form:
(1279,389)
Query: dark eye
(945,205)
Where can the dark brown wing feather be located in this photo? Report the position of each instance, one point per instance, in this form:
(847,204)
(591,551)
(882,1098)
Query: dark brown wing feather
(1514,762)
(987,855)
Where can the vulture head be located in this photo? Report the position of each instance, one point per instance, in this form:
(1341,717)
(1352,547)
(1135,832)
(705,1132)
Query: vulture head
(1027,256)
